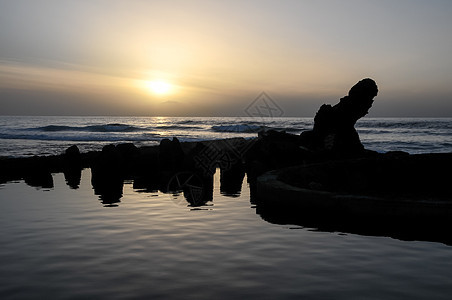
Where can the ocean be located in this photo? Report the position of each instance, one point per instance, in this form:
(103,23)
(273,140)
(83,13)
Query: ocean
(28,136)
(65,242)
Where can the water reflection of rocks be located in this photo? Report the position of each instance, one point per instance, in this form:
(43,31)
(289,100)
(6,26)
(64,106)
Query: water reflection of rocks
(192,189)
(195,188)
(407,229)
(172,168)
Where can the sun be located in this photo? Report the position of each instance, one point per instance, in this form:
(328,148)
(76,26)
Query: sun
(159,87)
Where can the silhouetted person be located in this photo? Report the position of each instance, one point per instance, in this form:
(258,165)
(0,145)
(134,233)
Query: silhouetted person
(334,129)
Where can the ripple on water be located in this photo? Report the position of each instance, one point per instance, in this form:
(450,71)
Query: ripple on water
(64,244)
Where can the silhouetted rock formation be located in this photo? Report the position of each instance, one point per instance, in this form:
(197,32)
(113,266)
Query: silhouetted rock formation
(394,194)
(107,175)
(333,135)
(38,175)
(35,170)
(72,167)
(72,156)
(231,180)
(396,175)
(196,188)
(171,155)
(334,125)
(130,157)
(274,150)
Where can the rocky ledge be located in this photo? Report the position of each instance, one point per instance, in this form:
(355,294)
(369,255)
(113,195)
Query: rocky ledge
(394,194)
(126,161)
(385,184)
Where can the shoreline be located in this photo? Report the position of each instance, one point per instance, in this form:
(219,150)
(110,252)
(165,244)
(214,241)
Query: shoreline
(26,138)
(130,161)
(19,168)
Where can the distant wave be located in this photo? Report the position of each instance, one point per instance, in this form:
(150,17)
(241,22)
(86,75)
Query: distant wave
(177,127)
(406,123)
(24,135)
(187,122)
(55,128)
(114,127)
(82,137)
(246,128)
(250,128)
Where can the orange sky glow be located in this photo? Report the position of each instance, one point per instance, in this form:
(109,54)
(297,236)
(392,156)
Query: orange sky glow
(213,58)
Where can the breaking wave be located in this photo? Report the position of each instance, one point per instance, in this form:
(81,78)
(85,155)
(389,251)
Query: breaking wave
(81,137)
(245,128)
(114,127)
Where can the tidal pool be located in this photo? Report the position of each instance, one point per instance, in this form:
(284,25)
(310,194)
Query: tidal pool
(65,243)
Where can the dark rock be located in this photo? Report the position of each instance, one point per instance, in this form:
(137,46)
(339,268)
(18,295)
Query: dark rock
(108,149)
(108,188)
(10,169)
(333,135)
(148,162)
(231,180)
(39,180)
(419,176)
(207,156)
(200,158)
(128,150)
(107,175)
(334,130)
(72,153)
(403,196)
(36,170)
(146,184)
(171,155)
(275,150)
(396,154)
(73,177)
(196,187)
(37,173)
(107,168)
(72,167)
(110,168)
(130,158)
(109,161)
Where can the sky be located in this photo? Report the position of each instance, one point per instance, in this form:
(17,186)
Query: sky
(213,58)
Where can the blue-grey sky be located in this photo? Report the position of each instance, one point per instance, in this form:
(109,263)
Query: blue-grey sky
(136,57)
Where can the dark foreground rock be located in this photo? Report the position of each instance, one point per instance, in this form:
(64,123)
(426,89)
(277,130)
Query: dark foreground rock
(334,130)
(413,177)
(126,161)
(403,196)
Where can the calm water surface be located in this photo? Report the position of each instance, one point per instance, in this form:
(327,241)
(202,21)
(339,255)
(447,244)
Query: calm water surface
(64,244)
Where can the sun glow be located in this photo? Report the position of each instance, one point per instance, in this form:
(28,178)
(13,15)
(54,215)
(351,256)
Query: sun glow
(159,87)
